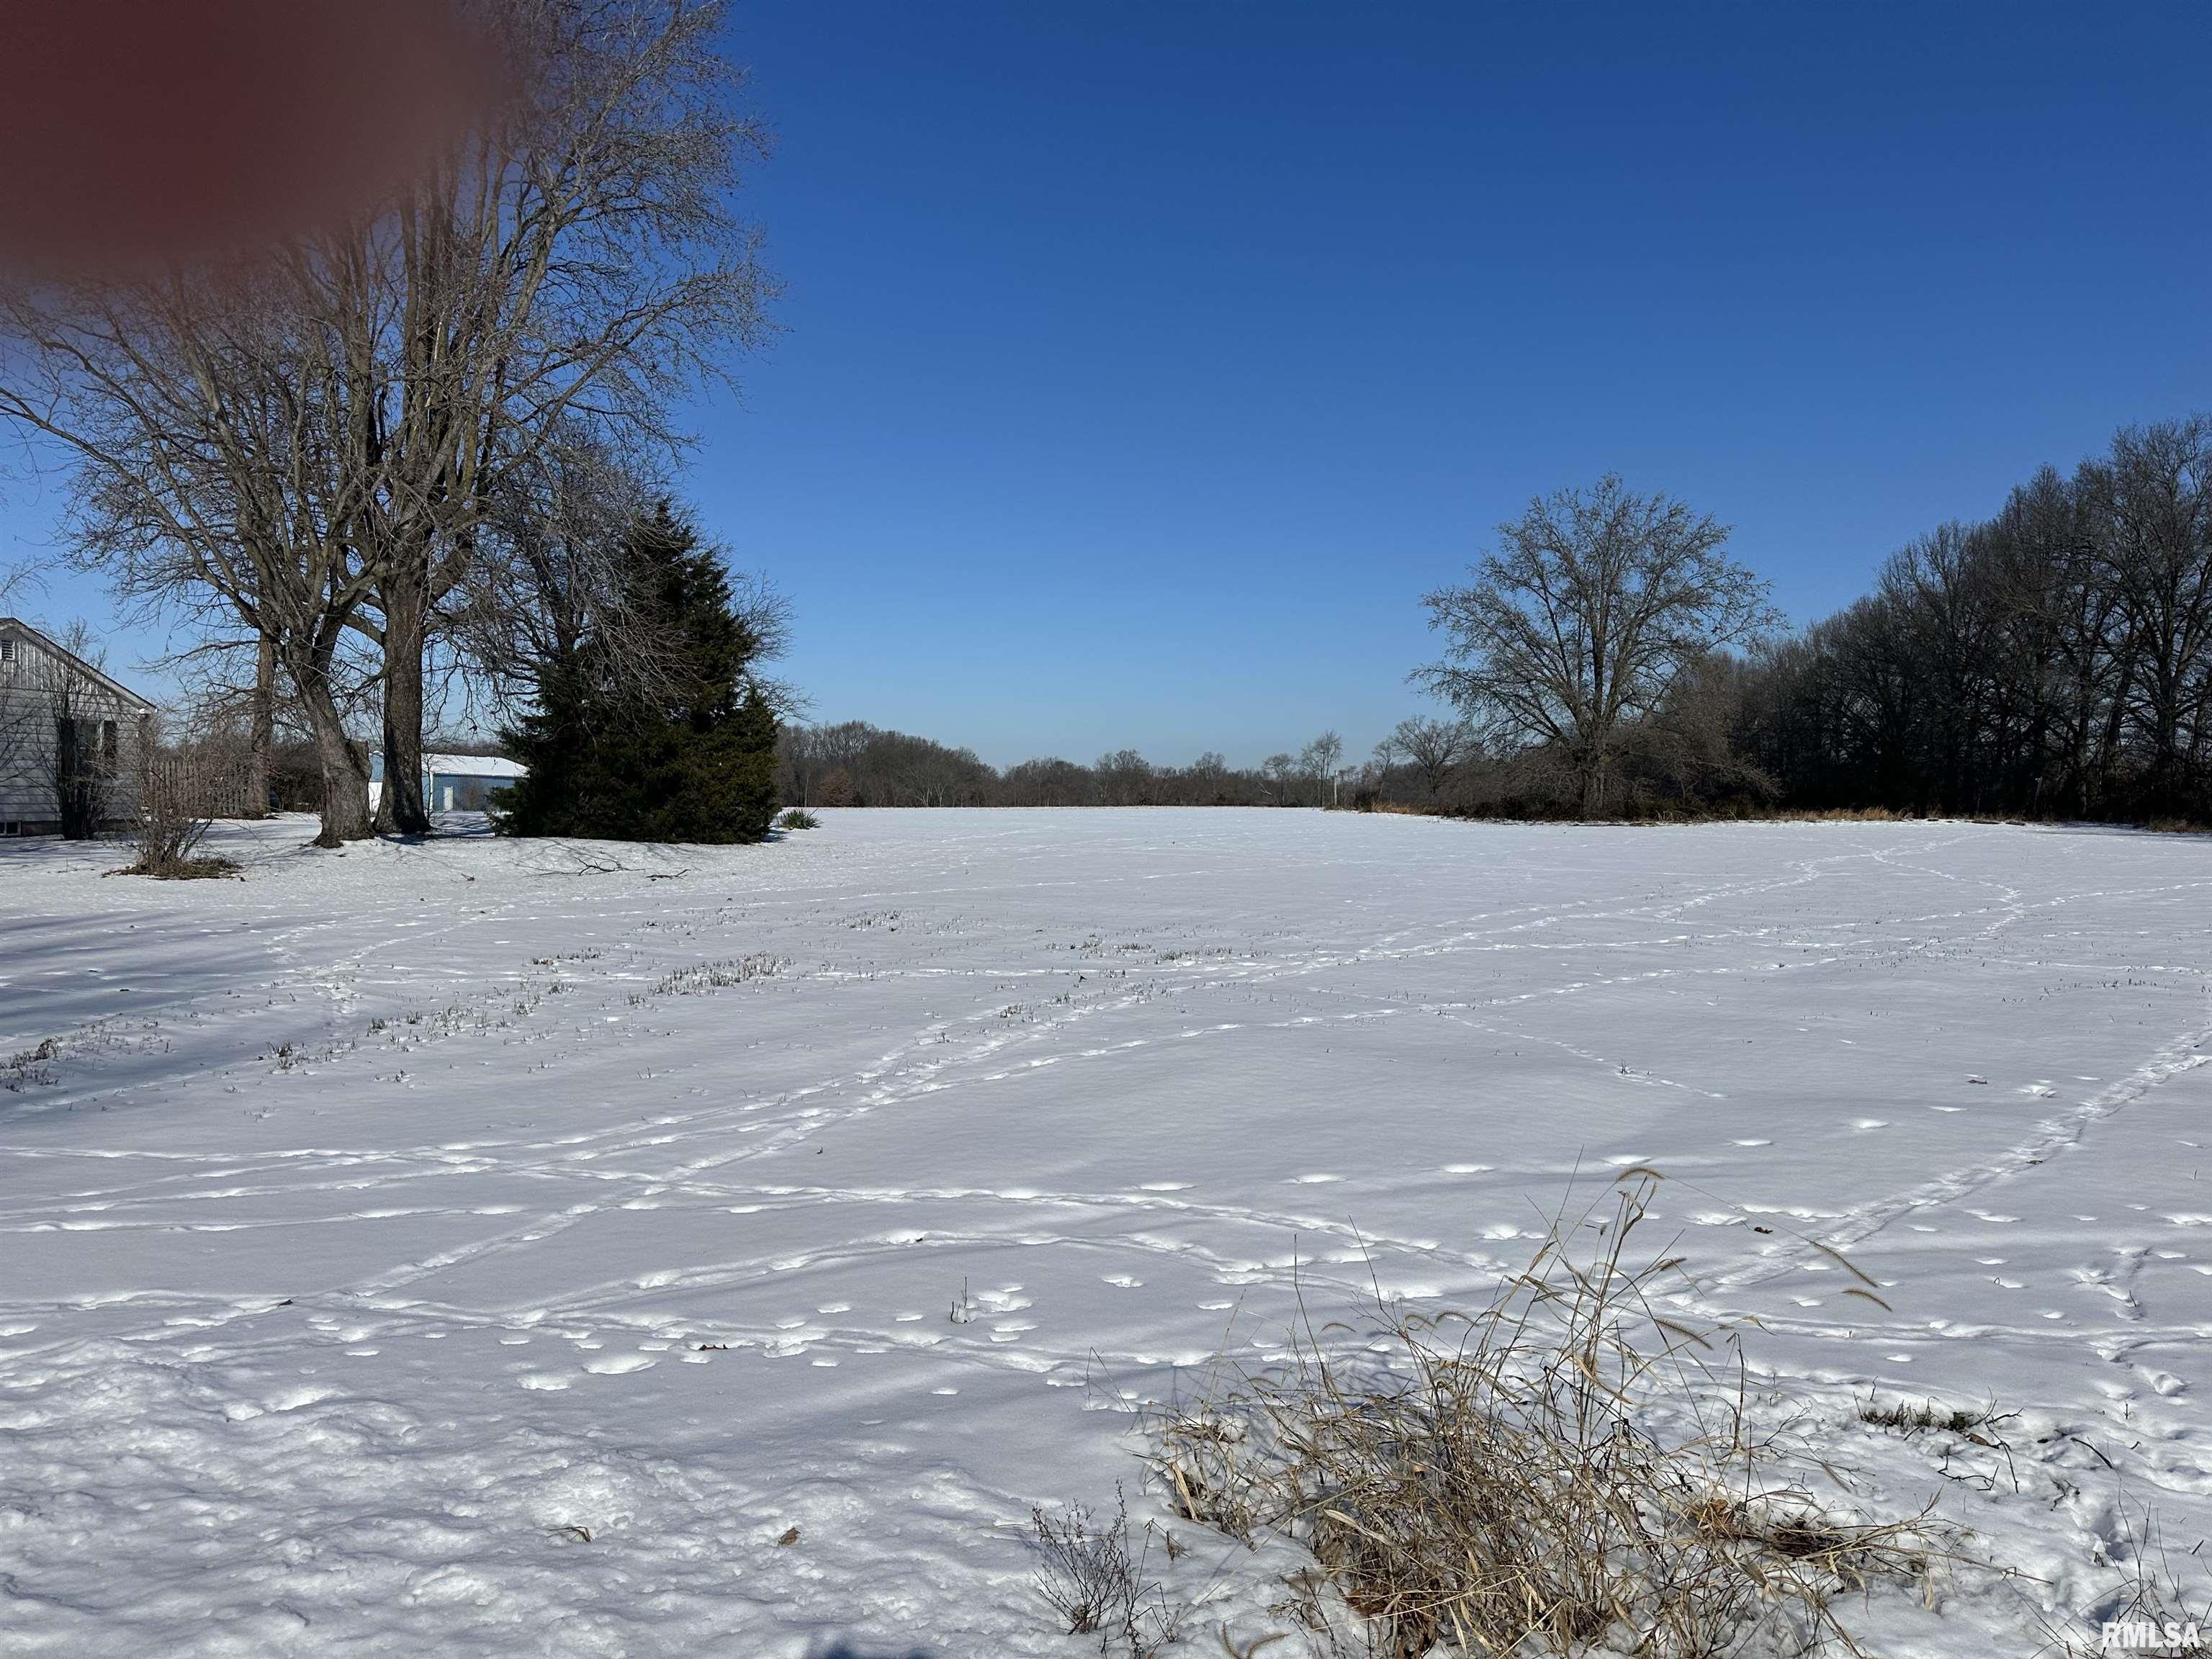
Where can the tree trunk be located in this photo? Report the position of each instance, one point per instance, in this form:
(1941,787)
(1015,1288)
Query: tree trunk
(406,612)
(345,769)
(1595,766)
(261,732)
(345,781)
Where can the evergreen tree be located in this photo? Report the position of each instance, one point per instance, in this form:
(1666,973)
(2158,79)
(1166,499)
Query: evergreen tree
(682,749)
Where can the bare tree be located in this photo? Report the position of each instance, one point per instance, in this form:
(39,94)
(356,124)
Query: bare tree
(1595,601)
(1434,749)
(546,576)
(2155,497)
(200,420)
(1317,763)
(1125,779)
(574,262)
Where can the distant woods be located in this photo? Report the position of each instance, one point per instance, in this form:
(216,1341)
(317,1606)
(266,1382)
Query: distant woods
(857,764)
(1610,659)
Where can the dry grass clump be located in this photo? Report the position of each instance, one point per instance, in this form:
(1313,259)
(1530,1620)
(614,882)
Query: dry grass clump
(704,976)
(199,869)
(1908,1419)
(1561,1472)
(1404,808)
(1840,815)
(20,1071)
(1088,1575)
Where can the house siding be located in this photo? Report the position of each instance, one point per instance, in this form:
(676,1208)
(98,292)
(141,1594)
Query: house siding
(32,676)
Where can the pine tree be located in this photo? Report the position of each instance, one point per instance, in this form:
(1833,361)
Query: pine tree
(684,753)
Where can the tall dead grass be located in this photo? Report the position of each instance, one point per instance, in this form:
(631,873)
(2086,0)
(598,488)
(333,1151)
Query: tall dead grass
(1568,1469)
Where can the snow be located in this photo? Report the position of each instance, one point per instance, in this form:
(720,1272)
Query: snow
(494,1247)
(474,766)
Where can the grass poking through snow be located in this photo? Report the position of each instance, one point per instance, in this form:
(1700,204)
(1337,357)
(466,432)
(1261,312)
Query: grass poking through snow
(1567,1470)
(1906,1418)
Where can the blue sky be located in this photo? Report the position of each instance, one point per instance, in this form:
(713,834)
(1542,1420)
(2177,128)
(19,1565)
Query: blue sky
(1143,364)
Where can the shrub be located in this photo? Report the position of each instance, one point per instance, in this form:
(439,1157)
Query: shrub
(1087,1574)
(176,804)
(798,818)
(1559,1472)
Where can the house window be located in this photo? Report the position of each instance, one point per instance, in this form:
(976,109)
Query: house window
(108,741)
(7,650)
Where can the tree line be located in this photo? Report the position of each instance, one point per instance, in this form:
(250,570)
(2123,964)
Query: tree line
(2053,661)
(1609,658)
(856,765)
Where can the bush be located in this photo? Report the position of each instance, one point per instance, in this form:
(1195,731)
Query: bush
(798,818)
(1556,1472)
(177,798)
(1089,1576)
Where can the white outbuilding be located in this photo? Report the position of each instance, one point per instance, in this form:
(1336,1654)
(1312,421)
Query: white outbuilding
(457,783)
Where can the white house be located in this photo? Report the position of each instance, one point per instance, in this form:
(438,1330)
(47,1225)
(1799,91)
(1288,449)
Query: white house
(455,783)
(71,738)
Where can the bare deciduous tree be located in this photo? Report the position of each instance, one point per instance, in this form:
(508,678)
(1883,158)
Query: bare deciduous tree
(546,573)
(1595,602)
(200,422)
(1434,749)
(574,264)
(1317,761)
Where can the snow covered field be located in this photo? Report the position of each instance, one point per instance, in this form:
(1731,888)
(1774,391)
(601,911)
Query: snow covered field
(487,1247)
